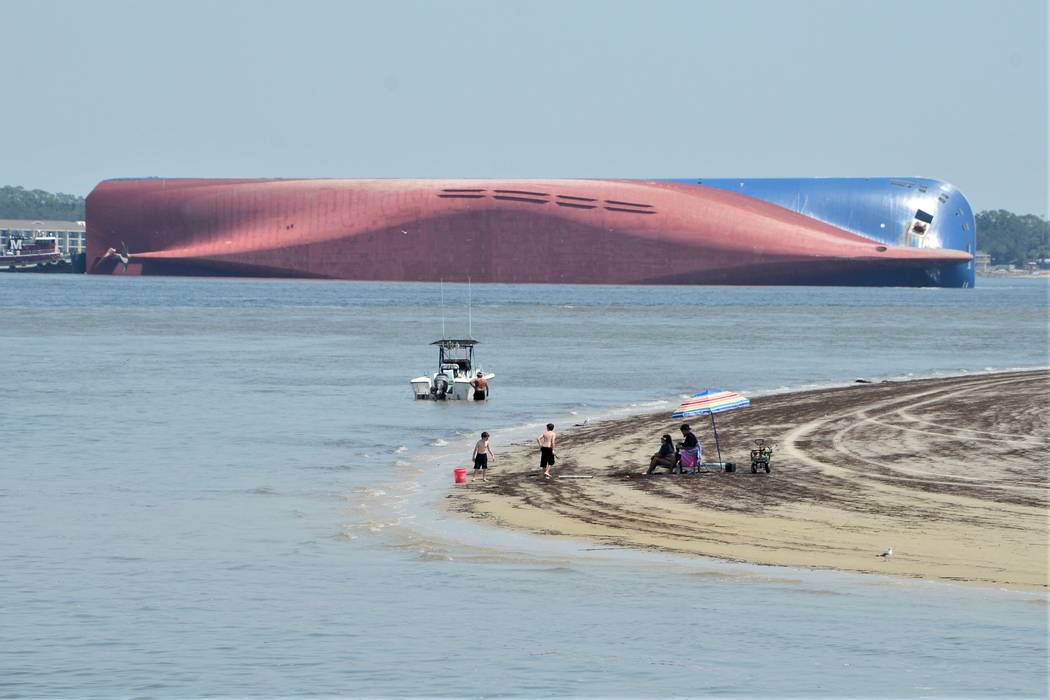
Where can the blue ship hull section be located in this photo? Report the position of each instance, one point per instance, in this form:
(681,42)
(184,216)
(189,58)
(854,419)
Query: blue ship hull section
(906,211)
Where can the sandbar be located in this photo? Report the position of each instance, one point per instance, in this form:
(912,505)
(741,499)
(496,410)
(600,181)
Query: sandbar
(952,473)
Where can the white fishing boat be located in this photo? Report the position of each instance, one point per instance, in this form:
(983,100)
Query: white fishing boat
(456,371)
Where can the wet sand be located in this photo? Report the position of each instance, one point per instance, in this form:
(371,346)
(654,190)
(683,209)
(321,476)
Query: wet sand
(951,473)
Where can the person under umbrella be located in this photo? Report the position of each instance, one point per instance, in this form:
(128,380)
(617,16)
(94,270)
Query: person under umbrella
(711,402)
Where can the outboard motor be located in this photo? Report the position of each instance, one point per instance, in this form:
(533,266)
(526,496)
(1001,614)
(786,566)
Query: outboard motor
(440,388)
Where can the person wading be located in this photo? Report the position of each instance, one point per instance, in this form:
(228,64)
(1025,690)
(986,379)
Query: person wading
(481,387)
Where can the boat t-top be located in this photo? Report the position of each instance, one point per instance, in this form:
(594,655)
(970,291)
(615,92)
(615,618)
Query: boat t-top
(456,369)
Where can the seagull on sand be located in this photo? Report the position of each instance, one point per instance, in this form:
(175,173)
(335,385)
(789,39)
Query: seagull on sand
(888,553)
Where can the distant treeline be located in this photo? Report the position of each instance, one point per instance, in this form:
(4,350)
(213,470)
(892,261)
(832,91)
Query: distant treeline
(20,203)
(1007,237)
(1011,238)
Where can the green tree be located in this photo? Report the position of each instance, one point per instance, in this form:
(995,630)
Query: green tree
(1011,238)
(20,203)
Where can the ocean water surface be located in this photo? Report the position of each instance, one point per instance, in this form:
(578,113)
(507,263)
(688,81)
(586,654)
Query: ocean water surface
(224,488)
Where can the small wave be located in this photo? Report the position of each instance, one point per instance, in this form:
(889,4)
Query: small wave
(380,525)
(343,442)
(818,592)
(651,404)
(402,463)
(438,443)
(331,467)
(558,570)
(724,576)
(425,555)
(400,449)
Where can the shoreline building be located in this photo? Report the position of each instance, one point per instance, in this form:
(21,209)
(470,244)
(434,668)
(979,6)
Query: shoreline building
(906,231)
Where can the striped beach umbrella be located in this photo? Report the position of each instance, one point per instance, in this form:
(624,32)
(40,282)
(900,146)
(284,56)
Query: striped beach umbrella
(711,402)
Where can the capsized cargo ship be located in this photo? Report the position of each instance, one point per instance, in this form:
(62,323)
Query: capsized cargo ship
(903,231)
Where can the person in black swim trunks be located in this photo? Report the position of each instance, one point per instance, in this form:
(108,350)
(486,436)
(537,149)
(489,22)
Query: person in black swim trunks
(482,452)
(546,442)
(481,387)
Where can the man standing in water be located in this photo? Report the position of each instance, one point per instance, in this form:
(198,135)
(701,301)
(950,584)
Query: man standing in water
(546,442)
(481,387)
(482,452)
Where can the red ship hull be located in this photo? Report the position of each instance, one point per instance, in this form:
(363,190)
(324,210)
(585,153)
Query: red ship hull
(515,231)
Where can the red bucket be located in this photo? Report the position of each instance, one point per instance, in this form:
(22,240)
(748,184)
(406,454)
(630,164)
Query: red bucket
(459,475)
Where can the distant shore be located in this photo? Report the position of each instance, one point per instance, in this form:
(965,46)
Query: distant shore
(951,473)
(1024,274)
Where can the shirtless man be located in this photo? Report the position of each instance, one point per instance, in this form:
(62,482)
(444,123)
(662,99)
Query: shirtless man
(546,442)
(481,387)
(481,455)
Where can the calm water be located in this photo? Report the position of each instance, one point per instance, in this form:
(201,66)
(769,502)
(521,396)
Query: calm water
(224,488)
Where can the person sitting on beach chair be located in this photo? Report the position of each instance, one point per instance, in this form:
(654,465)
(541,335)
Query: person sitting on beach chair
(665,457)
(689,450)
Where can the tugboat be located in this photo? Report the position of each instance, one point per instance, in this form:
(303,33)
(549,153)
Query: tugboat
(25,253)
(456,369)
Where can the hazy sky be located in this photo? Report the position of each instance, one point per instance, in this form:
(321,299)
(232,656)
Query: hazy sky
(953,90)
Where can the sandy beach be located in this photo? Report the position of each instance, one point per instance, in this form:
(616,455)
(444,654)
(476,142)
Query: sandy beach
(952,473)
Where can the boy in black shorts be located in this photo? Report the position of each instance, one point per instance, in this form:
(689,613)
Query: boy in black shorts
(482,452)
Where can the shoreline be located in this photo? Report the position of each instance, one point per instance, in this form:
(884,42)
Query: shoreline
(949,471)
